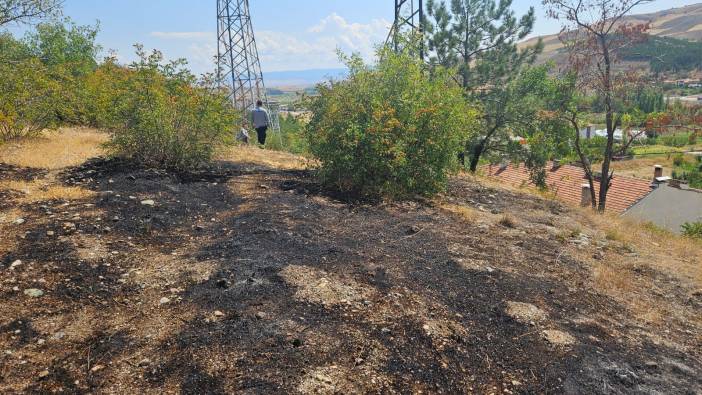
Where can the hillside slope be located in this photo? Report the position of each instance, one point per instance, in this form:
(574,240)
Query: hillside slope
(681,23)
(248,278)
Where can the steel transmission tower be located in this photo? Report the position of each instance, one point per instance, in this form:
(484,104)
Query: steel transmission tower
(409,16)
(238,64)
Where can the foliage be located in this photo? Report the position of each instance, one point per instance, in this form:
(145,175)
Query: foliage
(595,35)
(29,98)
(692,229)
(164,117)
(291,137)
(667,54)
(389,130)
(69,52)
(689,171)
(65,44)
(27,11)
(479,39)
(537,134)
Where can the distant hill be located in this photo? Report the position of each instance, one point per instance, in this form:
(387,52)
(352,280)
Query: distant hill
(300,78)
(683,23)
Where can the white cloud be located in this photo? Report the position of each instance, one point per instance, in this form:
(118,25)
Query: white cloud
(183,35)
(317,47)
(313,48)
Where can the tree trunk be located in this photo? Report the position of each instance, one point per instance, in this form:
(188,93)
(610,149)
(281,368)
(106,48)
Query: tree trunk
(586,163)
(475,157)
(609,116)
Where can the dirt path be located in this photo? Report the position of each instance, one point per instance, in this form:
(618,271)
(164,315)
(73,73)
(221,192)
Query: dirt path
(247,279)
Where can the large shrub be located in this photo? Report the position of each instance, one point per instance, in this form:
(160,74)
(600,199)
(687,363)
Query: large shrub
(29,99)
(161,115)
(391,130)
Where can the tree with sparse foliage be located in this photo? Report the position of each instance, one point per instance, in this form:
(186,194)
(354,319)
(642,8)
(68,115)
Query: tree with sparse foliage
(478,38)
(596,35)
(27,11)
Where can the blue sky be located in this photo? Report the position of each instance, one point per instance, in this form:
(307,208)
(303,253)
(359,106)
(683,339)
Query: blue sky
(292,35)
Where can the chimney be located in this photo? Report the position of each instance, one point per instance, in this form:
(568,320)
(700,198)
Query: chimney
(657,172)
(586,199)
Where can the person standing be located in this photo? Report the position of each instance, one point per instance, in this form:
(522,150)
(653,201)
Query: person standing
(261,121)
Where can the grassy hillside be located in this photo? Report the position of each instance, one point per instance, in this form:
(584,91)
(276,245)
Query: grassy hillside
(667,54)
(684,23)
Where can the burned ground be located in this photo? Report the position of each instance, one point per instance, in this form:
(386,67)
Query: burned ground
(245,278)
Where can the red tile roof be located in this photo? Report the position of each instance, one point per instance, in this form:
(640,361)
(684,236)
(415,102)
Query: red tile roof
(566,182)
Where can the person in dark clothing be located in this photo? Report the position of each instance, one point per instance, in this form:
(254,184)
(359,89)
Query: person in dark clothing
(261,121)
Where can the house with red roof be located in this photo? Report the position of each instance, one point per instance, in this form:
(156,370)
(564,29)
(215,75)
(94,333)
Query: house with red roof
(662,201)
(567,182)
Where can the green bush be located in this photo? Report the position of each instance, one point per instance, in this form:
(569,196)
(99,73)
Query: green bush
(674,140)
(291,137)
(391,130)
(29,99)
(692,229)
(163,117)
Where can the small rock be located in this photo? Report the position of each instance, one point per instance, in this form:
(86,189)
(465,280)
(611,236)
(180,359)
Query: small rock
(218,314)
(58,335)
(261,315)
(34,293)
(148,202)
(385,330)
(651,365)
(43,374)
(413,230)
(516,383)
(97,368)
(41,341)
(50,233)
(144,362)
(359,361)
(164,300)
(19,221)
(15,264)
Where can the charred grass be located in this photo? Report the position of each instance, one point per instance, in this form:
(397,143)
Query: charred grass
(246,277)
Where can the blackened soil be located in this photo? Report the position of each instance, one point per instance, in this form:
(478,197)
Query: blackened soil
(255,281)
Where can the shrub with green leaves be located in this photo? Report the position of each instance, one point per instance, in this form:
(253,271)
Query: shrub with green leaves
(29,99)
(390,130)
(692,229)
(162,116)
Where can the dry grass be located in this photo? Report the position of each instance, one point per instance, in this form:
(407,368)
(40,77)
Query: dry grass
(55,150)
(256,156)
(44,190)
(508,221)
(643,167)
(662,250)
(463,213)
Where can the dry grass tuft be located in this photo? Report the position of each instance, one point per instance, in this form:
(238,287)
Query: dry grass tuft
(508,221)
(55,150)
(463,213)
(256,156)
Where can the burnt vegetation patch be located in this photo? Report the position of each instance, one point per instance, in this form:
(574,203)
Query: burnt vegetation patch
(255,279)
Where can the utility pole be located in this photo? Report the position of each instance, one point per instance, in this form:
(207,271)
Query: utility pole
(238,64)
(409,16)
